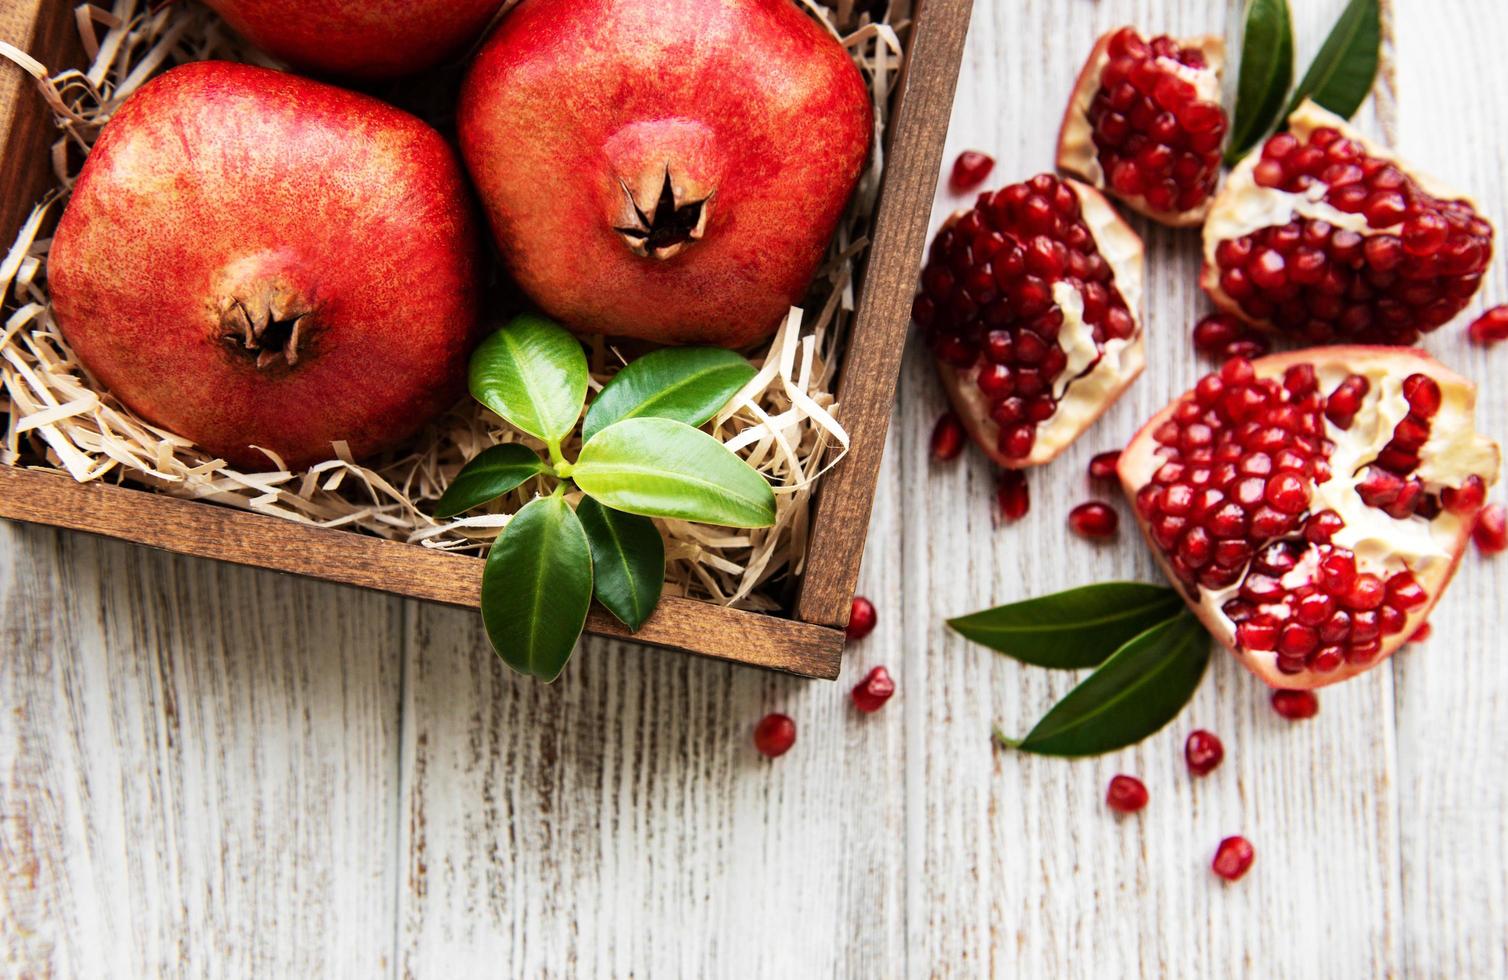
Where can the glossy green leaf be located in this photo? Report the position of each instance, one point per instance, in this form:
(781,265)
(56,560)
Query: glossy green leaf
(489,475)
(1138,690)
(1266,74)
(665,468)
(533,373)
(688,384)
(628,561)
(1073,629)
(536,588)
(1346,66)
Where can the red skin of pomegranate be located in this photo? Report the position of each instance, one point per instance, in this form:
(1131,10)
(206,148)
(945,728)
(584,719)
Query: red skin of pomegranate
(1144,456)
(224,196)
(747,120)
(359,38)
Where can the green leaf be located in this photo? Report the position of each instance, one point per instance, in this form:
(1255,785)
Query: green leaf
(536,588)
(1266,74)
(1072,629)
(628,561)
(665,468)
(489,475)
(1343,71)
(1138,690)
(688,384)
(532,373)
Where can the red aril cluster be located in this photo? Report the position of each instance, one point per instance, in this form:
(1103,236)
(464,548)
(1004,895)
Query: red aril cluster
(970,170)
(1491,326)
(1369,251)
(1145,123)
(1021,307)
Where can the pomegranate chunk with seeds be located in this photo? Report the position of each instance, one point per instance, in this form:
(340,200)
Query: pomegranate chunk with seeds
(1145,123)
(1491,326)
(1313,506)
(969,171)
(1126,794)
(1233,858)
(1029,304)
(871,693)
(1328,238)
(1203,752)
(774,735)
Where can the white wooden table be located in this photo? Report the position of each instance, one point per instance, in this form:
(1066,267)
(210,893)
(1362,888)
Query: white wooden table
(208,770)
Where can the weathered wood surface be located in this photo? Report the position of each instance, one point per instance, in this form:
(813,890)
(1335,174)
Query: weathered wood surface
(208,767)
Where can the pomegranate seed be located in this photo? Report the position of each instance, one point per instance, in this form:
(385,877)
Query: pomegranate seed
(1126,794)
(1423,396)
(1203,752)
(947,437)
(1093,520)
(1466,498)
(1491,326)
(1012,494)
(1102,466)
(1295,705)
(1233,858)
(1421,634)
(1491,530)
(970,170)
(861,618)
(774,735)
(870,694)
(1216,332)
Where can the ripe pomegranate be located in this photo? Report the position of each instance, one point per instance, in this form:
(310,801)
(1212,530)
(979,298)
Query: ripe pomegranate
(357,38)
(253,259)
(1313,505)
(670,170)
(1029,301)
(1145,123)
(1327,237)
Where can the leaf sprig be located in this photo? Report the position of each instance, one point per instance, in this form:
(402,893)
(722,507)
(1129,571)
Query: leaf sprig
(642,457)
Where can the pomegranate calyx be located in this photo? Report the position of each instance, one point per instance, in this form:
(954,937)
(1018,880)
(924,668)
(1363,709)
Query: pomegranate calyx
(269,326)
(671,223)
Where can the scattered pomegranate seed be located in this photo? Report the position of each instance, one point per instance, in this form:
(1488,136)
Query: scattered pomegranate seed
(1126,794)
(1102,466)
(1295,705)
(1225,336)
(1203,752)
(861,618)
(1012,495)
(774,735)
(947,437)
(1421,634)
(1233,858)
(1094,520)
(1491,326)
(1491,530)
(970,170)
(874,690)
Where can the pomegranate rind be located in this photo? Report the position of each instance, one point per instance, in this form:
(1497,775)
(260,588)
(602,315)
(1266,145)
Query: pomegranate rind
(1077,153)
(1087,397)
(1237,208)
(1140,460)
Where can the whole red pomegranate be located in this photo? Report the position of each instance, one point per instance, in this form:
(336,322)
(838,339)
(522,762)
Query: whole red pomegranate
(252,259)
(1313,505)
(359,38)
(1145,123)
(670,170)
(1327,237)
(1029,302)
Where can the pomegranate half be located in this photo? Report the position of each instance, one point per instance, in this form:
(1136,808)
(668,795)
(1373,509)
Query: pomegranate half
(252,259)
(1145,123)
(1029,302)
(670,170)
(1327,237)
(1313,505)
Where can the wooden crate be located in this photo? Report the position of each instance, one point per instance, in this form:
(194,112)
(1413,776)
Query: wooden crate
(809,642)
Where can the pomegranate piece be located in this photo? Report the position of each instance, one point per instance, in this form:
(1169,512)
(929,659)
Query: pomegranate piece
(1295,705)
(861,618)
(1326,237)
(1491,326)
(1094,519)
(970,170)
(1313,506)
(870,694)
(774,735)
(1012,495)
(1233,858)
(947,437)
(1203,752)
(1102,466)
(1028,302)
(1490,532)
(1126,794)
(1145,123)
